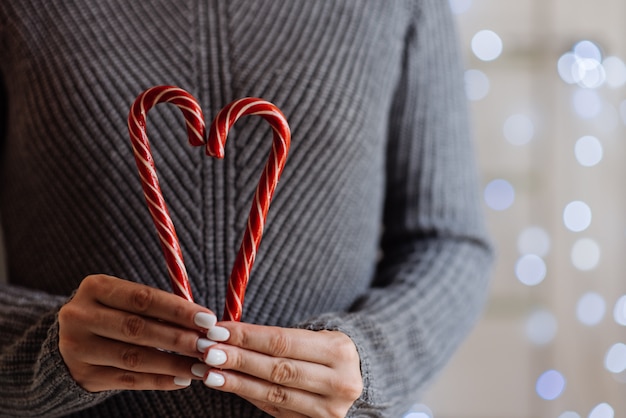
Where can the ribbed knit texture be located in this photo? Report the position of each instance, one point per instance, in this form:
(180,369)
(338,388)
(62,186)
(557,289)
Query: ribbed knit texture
(381,163)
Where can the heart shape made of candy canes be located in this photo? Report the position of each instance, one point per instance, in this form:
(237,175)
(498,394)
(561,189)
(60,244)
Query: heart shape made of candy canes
(214,145)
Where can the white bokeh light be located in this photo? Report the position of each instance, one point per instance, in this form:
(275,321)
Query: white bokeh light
(569,414)
(530,269)
(619,312)
(550,385)
(499,194)
(585,254)
(588,151)
(519,129)
(590,309)
(615,72)
(591,73)
(615,359)
(603,410)
(476,85)
(486,45)
(577,216)
(587,103)
(460,6)
(567,67)
(584,66)
(534,240)
(419,411)
(541,327)
(588,50)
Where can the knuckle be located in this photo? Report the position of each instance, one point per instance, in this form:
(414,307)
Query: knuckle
(92,283)
(132,358)
(179,339)
(133,326)
(141,298)
(348,389)
(345,348)
(127,380)
(277,395)
(161,382)
(284,372)
(279,344)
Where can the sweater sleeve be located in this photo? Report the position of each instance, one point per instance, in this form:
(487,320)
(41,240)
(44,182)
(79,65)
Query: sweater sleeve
(34,380)
(432,281)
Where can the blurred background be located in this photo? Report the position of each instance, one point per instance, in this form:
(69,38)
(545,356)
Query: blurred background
(546,82)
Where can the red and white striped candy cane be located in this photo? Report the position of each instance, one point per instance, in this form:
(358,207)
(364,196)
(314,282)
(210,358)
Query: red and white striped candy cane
(194,120)
(214,147)
(218,132)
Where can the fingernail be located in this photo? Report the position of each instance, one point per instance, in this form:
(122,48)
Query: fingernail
(215,357)
(214,380)
(203,344)
(199,369)
(182,381)
(205,320)
(218,334)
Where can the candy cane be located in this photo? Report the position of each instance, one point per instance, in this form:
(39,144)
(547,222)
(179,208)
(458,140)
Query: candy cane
(214,147)
(220,127)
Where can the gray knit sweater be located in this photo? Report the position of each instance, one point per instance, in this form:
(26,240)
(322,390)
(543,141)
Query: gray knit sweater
(375,229)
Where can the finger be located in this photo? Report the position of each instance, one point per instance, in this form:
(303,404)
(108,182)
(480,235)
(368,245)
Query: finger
(274,397)
(273,410)
(104,352)
(147,301)
(135,329)
(101,378)
(313,346)
(310,377)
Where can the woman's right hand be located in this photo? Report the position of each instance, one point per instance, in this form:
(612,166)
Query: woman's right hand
(116,334)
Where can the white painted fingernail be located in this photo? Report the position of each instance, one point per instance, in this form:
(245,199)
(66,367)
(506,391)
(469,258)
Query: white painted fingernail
(199,369)
(182,381)
(205,320)
(203,344)
(215,357)
(218,334)
(214,380)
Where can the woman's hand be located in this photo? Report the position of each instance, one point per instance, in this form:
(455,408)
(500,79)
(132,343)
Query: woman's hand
(285,372)
(116,334)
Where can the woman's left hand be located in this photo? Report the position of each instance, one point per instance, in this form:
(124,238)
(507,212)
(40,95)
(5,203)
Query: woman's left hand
(285,372)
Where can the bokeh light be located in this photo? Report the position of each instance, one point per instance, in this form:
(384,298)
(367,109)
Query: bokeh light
(588,151)
(486,45)
(615,359)
(519,129)
(476,85)
(569,414)
(619,312)
(541,327)
(534,240)
(585,254)
(577,216)
(590,309)
(550,385)
(419,411)
(499,194)
(530,269)
(603,410)
(584,66)
(588,50)
(615,72)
